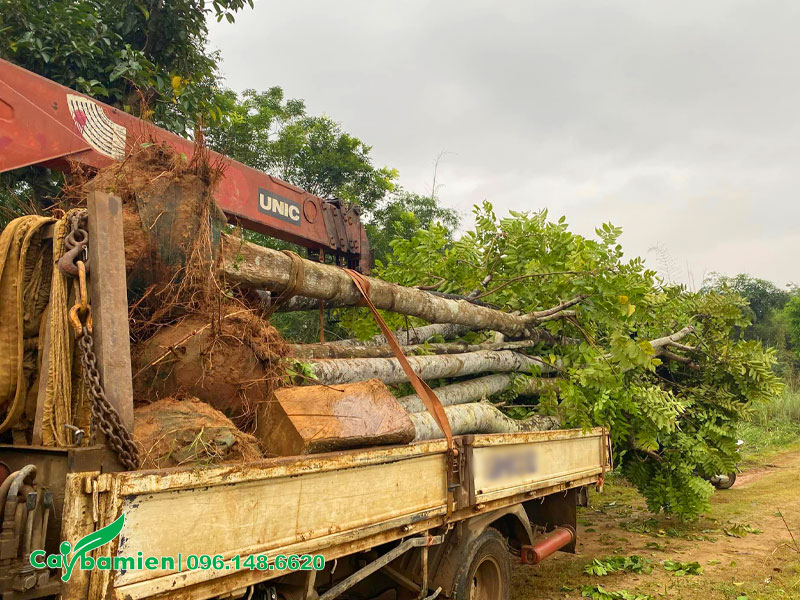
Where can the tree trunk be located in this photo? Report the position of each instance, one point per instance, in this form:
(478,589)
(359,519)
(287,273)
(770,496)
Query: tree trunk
(334,350)
(476,389)
(412,335)
(388,370)
(257,267)
(478,417)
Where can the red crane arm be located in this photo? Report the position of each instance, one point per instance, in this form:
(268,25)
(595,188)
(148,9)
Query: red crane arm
(44,123)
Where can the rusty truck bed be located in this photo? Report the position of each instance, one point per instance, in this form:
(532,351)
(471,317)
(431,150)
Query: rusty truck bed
(331,504)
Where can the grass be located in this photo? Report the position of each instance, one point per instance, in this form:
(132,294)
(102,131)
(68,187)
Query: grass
(772,427)
(785,407)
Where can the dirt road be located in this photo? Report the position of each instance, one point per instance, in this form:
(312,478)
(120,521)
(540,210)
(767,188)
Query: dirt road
(738,563)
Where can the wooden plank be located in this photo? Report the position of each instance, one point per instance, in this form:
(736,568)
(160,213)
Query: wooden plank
(109,298)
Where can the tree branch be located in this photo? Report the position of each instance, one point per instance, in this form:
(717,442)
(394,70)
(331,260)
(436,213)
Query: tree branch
(507,283)
(670,339)
(540,315)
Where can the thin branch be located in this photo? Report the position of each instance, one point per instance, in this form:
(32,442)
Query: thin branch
(683,347)
(541,314)
(433,286)
(664,353)
(529,276)
(670,339)
(564,314)
(474,293)
(796,547)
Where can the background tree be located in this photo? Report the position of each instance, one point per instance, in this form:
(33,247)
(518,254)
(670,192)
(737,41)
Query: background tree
(401,215)
(277,136)
(771,315)
(133,54)
(146,57)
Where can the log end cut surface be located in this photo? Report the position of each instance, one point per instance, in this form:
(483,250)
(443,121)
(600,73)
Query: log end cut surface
(303,420)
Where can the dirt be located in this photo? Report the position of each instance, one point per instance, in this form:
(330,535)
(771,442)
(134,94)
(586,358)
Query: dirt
(763,565)
(190,334)
(233,363)
(185,431)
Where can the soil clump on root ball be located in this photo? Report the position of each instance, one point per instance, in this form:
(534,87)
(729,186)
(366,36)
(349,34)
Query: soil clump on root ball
(178,432)
(232,364)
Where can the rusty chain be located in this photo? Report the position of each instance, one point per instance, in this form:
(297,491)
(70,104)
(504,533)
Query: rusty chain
(104,415)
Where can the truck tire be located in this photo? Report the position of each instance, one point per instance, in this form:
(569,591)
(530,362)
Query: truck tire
(727,482)
(486,571)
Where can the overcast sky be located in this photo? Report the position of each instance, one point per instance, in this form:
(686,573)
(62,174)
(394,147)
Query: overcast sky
(677,121)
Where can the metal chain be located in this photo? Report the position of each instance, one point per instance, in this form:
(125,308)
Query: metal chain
(104,415)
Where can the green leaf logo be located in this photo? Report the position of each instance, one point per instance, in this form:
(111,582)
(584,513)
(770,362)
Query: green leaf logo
(87,544)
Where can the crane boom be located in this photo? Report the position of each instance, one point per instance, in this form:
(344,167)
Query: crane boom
(47,124)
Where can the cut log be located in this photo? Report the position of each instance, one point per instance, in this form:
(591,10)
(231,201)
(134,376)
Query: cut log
(412,335)
(478,417)
(336,351)
(304,420)
(257,267)
(473,390)
(388,370)
(301,303)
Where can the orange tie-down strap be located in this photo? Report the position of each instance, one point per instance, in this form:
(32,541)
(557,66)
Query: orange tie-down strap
(426,394)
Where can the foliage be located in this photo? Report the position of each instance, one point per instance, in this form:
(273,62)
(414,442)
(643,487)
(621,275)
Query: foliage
(616,564)
(146,57)
(133,54)
(671,423)
(679,569)
(791,314)
(763,296)
(401,215)
(270,133)
(740,530)
(597,592)
(774,315)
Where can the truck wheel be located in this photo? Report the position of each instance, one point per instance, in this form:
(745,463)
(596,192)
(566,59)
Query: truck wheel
(726,481)
(486,574)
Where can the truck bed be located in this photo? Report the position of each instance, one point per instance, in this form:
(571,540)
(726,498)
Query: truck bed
(331,504)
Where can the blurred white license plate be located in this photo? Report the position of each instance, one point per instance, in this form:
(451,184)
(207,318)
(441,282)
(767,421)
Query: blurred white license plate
(499,465)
